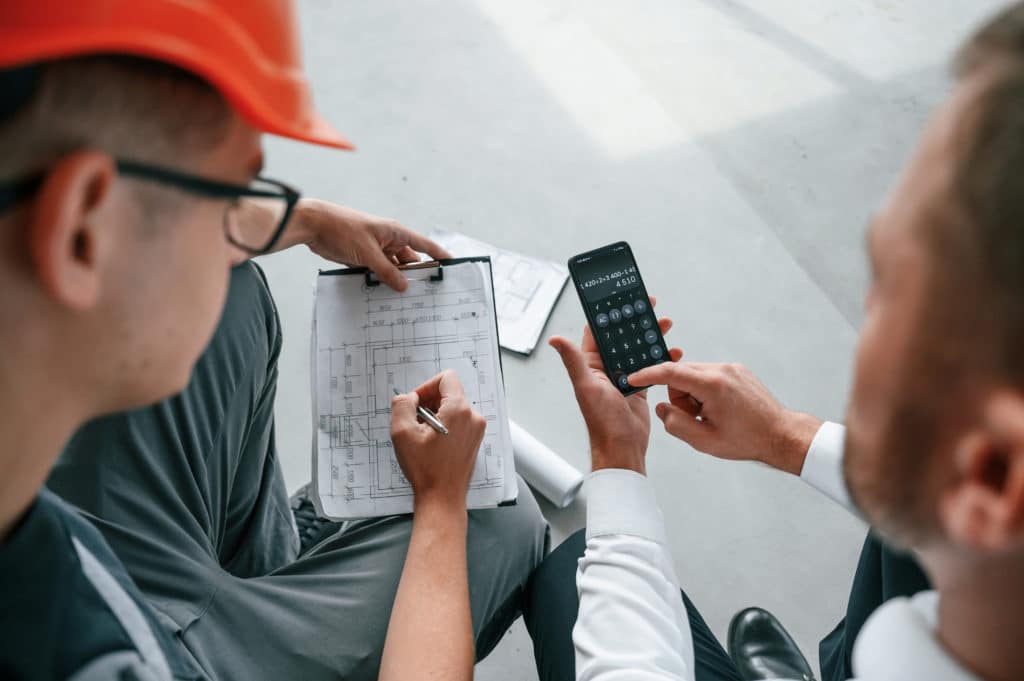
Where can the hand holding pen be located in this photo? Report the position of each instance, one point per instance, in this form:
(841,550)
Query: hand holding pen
(438,464)
(428,416)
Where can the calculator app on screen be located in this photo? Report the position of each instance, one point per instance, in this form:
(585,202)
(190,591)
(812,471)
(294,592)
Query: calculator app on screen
(619,312)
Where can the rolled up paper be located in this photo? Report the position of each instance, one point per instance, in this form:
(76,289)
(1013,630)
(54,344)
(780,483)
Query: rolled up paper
(548,473)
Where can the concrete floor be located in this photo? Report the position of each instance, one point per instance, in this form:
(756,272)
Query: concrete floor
(739,145)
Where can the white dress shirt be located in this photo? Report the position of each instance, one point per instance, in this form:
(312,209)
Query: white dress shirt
(632,623)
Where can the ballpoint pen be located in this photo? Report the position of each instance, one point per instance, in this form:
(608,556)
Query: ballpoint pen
(428,416)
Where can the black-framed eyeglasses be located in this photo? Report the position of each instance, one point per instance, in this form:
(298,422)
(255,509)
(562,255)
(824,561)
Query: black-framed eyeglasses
(254,239)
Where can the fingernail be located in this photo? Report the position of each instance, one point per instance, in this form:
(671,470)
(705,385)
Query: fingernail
(660,410)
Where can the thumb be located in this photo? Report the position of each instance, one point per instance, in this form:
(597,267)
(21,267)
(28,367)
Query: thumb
(571,356)
(683,426)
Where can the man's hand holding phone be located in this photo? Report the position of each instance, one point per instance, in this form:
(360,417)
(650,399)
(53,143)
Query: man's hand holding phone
(619,426)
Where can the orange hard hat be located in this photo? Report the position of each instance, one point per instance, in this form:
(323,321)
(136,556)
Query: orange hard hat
(248,49)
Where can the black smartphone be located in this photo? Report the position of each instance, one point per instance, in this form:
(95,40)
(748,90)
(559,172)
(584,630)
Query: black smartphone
(619,311)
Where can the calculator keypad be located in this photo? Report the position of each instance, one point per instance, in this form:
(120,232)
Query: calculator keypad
(628,335)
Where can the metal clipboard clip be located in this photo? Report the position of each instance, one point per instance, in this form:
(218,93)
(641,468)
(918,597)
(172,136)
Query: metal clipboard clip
(371,278)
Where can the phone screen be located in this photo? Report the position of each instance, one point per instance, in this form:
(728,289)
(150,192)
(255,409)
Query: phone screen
(619,311)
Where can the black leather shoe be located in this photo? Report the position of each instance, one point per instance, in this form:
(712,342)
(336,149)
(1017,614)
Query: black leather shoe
(761,648)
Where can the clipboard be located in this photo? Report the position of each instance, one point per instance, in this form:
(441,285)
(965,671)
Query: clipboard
(445,319)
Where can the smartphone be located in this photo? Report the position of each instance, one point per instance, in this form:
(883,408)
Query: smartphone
(619,312)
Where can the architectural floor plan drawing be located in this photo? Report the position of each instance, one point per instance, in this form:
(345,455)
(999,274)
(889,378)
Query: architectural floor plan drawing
(371,340)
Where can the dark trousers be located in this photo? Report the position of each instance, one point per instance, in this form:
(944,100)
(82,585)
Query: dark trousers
(552,603)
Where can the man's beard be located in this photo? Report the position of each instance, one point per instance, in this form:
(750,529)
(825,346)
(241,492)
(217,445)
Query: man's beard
(892,486)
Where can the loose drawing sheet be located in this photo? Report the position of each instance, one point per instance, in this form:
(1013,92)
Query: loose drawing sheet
(526,288)
(369,340)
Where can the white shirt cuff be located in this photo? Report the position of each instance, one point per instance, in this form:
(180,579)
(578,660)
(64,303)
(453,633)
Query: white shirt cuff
(823,466)
(622,502)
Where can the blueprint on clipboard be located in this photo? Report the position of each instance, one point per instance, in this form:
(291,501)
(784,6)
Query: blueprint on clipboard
(526,288)
(369,339)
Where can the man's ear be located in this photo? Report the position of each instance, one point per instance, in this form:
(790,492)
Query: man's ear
(65,230)
(984,507)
